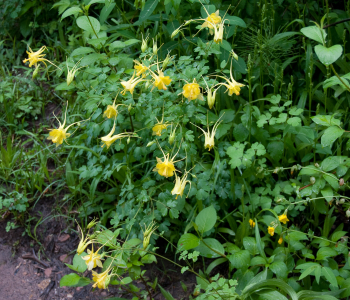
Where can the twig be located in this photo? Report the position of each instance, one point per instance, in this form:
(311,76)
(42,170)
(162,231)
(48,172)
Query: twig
(35,258)
(335,23)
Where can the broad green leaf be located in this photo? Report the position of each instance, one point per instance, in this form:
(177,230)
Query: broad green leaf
(92,58)
(240,133)
(210,248)
(332,162)
(327,193)
(249,244)
(71,11)
(240,259)
(332,180)
(148,10)
(325,252)
(330,135)
(207,10)
(279,268)
(328,273)
(309,170)
(326,120)
(233,20)
(79,263)
(214,264)
(308,271)
(187,241)
(206,219)
(81,51)
(89,24)
(314,33)
(328,56)
(73,279)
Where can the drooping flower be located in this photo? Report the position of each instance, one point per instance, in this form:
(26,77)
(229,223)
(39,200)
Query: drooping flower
(211,95)
(60,134)
(144,44)
(112,110)
(251,223)
(140,68)
(35,57)
(158,128)
(101,280)
(280,240)
(283,218)
(271,230)
(209,136)
(219,33)
(93,259)
(232,85)
(212,20)
(130,84)
(160,81)
(192,91)
(166,168)
(109,139)
(71,73)
(180,184)
(148,233)
(83,243)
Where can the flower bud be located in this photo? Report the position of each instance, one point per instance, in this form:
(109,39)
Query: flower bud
(312,180)
(166,61)
(128,140)
(155,47)
(36,71)
(317,165)
(172,137)
(341,181)
(211,98)
(342,200)
(150,143)
(175,32)
(234,55)
(129,108)
(92,224)
(144,44)
(348,213)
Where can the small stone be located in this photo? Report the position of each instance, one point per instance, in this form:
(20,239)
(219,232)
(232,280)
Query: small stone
(48,272)
(63,238)
(43,285)
(69,296)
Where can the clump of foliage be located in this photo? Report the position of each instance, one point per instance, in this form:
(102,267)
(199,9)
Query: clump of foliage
(226,137)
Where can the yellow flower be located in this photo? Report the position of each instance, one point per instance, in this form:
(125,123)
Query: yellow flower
(130,84)
(109,139)
(60,134)
(211,96)
(102,279)
(218,33)
(180,184)
(283,218)
(166,168)
(251,223)
(212,20)
(148,233)
(112,110)
(93,259)
(35,57)
(160,81)
(71,73)
(83,243)
(192,91)
(140,68)
(271,230)
(158,128)
(280,241)
(232,86)
(209,137)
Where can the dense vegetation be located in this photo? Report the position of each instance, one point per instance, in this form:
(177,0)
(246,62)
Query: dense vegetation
(204,130)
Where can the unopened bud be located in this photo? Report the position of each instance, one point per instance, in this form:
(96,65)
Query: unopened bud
(128,140)
(312,180)
(348,213)
(36,72)
(150,143)
(317,165)
(175,32)
(144,44)
(129,108)
(166,61)
(342,200)
(211,98)
(92,224)
(234,55)
(172,137)
(341,181)
(155,47)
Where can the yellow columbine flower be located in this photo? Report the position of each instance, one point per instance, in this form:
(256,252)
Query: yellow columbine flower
(112,110)
(158,128)
(209,137)
(232,86)
(109,139)
(130,84)
(148,233)
(160,81)
(71,73)
(211,96)
(212,20)
(192,91)
(35,57)
(219,33)
(283,218)
(102,279)
(140,68)
(83,243)
(280,241)
(60,134)
(251,223)
(166,168)
(271,230)
(93,259)
(180,184)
